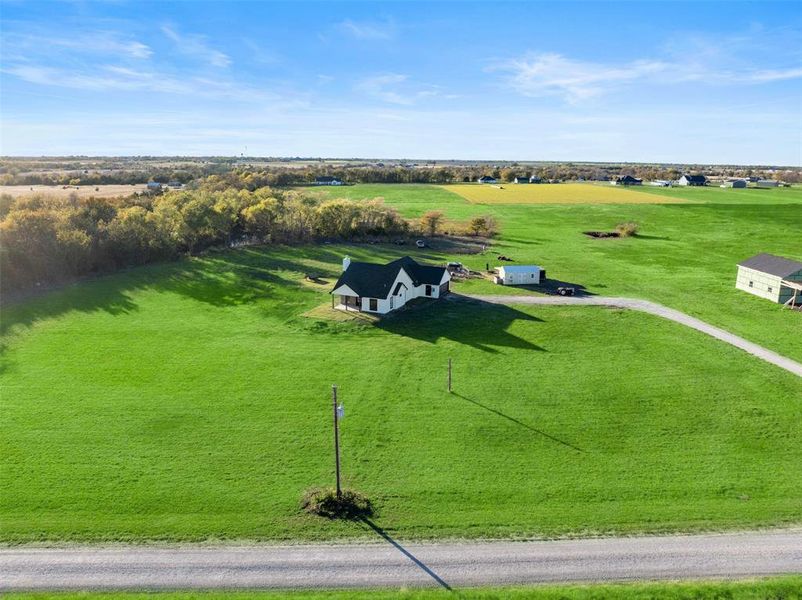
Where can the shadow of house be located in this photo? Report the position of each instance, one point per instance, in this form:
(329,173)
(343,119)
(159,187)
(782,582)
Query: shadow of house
(467,321)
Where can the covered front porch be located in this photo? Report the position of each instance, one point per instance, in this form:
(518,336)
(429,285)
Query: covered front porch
(343,302)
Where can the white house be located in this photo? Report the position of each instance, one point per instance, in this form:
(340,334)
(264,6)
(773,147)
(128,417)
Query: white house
(522,179)
(486,179)
(627,180)
(772,277)
(327,180)
(519,275)
(693,180)
(369,287)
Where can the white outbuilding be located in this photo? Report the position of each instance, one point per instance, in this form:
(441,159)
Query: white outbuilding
(519,275)
(772,277)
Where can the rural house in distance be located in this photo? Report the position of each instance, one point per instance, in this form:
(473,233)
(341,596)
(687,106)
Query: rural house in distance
(627,180)
(694,180)
(486,179)
(772,277)
(327,180)
(370,287)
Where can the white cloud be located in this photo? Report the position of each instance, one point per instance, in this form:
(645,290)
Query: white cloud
(552,74)
(112,78)
(396,88)
(88,42)
(368,30)
(195,46)
(730,60)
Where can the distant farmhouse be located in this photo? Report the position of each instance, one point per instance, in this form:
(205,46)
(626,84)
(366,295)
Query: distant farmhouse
(326,180)
(734,183)
(370,287)
(772,277)
(522,179)
(767,183)
(660,183)
(486,179)
(535,179)
(695,180)
(627,180)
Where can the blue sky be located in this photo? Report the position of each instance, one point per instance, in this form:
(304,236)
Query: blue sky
(712,82)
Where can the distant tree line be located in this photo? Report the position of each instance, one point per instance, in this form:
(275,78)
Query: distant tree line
(235,173)
(47,240)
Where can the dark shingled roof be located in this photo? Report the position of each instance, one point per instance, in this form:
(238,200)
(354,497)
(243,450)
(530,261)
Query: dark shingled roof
(373,281)
(773,265)
(696,178)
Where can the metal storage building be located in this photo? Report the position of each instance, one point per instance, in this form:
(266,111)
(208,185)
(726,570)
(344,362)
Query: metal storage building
(519,275)
(772,277)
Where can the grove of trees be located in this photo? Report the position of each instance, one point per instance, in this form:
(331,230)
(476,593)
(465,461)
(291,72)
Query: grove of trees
(46,240)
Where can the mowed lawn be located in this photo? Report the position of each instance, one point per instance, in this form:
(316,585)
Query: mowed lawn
(191,401)
(771,588)
(684,257)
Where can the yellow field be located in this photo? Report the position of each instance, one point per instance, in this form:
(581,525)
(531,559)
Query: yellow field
(555,193)
(83,191)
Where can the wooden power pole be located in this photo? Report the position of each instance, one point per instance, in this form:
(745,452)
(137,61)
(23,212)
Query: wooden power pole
(336,440)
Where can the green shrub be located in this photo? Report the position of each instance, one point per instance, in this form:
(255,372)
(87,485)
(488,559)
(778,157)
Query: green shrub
(627,229)
(323,502)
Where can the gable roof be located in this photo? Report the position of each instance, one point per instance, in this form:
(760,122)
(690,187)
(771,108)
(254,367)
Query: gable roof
(374,281)
(519,268)
(487,178)
(628,178)
(326,178)
(696,178)
(772,264)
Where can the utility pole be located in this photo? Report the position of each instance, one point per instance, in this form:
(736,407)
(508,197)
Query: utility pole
(336,439)
(449,375)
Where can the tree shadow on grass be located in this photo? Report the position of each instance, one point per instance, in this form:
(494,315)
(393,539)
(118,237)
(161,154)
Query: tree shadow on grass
(217,278)
(517,422)
(481,325)
(386,537)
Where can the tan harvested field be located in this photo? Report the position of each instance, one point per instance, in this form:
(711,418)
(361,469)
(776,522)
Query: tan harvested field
(555,193)
(83,191)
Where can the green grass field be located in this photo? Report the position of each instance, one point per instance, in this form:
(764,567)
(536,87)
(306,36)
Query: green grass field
(190,401)
(776,588)
(685,256)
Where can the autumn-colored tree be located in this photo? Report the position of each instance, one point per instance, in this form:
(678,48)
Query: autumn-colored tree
(431,221)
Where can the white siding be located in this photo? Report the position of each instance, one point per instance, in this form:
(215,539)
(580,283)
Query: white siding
(758,283)
(520,277)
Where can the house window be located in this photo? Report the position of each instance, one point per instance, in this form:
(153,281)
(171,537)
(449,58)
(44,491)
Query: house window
(532,275)
(428,290)
(751,284)
(391,301)
(374,304)
(770,290)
